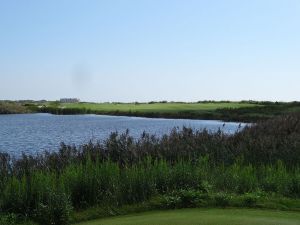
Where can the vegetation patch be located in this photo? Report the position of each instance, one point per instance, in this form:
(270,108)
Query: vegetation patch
(10,107)
(244,111)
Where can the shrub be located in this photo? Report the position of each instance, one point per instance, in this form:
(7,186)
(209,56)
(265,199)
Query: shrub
(182,199)
(171,202)
(55,210)
(295,184)
(10,219)
(222,200)
(250,199)
(193,198)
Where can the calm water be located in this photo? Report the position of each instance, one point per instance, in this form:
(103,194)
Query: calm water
(33,133)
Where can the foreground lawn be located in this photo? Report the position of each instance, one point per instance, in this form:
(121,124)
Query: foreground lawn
(204,217)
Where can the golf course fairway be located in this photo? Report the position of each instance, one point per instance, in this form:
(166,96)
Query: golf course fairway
(204,217)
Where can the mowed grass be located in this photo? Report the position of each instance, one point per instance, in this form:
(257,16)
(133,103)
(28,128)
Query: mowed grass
(244,111)
(157,107)
(204,217)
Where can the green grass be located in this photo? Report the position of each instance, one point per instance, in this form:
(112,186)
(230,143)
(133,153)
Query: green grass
(204,110)
(204,217)
(157,107)
(244,111)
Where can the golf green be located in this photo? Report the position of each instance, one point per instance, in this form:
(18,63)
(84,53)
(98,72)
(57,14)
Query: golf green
(204,217)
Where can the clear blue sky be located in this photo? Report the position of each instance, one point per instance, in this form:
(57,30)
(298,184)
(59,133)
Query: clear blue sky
(142,50)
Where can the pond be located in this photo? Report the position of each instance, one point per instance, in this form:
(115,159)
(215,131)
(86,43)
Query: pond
(35,133)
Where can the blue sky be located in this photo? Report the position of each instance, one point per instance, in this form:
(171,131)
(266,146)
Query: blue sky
(150,50)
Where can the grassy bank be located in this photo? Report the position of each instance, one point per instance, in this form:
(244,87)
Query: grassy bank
(227,111)
(204,217)
(244,111)
(258,167)
(205,110)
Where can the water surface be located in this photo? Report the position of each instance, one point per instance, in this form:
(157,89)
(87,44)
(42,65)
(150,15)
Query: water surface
(35,133)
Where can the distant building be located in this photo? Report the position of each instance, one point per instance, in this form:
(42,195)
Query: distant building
(69,100)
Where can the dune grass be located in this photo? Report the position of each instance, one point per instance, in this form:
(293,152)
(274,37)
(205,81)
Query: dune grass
(204,217)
